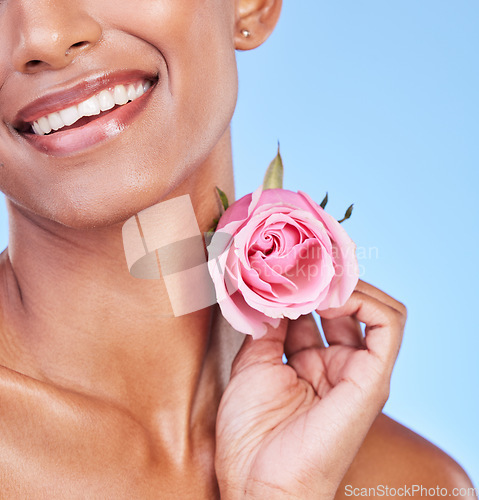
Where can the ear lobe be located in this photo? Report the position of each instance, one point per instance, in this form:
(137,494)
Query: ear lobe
(255,21)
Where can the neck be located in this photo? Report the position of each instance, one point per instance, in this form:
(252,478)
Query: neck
(76,318)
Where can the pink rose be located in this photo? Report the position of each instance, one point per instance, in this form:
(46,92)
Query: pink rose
(277,254)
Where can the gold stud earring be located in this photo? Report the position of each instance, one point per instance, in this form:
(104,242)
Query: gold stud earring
(246,33)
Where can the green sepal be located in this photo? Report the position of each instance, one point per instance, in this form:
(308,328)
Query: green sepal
(223,198)
(212,229)
(273,179)
(324,202)
(348,213)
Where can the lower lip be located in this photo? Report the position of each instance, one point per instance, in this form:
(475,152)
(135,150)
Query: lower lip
(102,128)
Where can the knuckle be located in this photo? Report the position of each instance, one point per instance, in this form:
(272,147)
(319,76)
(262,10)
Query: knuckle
(402,309)
(397,316)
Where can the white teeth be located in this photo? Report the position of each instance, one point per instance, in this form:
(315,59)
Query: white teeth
(90,107)
(103,101)
(56,121)
(70,115)
(37,129)
(45,125)
(131,92)
(106,100)
(120,95)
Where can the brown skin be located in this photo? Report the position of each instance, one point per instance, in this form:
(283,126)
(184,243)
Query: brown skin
(101,396)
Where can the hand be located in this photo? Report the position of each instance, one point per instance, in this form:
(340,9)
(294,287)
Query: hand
(291,431)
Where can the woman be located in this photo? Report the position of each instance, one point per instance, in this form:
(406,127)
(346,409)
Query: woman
(102,394)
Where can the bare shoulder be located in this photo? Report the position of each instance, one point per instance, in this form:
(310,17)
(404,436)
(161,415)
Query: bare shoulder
(57,441)
(393,456)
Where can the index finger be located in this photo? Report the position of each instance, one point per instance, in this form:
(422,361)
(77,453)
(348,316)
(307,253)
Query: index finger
(375,292)
(384,324)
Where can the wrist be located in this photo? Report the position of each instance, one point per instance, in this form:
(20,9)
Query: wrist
(262,491)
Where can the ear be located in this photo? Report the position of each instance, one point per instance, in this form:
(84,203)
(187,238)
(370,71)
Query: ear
(256,19)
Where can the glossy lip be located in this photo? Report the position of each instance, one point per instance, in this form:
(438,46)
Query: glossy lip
(103,126)
(71,96)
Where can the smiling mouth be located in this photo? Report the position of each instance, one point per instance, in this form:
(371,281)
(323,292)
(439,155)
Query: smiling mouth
(77,118)
(96,106)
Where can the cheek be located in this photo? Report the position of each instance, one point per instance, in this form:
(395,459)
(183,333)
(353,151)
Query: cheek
(195,40)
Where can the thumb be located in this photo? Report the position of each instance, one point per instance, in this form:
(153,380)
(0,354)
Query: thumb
(267,349)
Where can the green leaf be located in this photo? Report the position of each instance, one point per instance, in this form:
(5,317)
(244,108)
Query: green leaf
(212,229)
(348,213)
(274,175)
(324,202)
(223,198)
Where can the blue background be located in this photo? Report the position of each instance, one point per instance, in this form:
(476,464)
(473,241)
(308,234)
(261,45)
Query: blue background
(377,103)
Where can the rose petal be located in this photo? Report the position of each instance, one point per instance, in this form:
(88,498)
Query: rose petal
(265,271)
(347,267)
(245,319)
(305,299)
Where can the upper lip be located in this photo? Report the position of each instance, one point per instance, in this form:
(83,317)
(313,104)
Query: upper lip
(75,93)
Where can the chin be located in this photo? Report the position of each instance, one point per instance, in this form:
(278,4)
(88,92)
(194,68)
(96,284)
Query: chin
(98,209)
(85,218)
(96,214)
